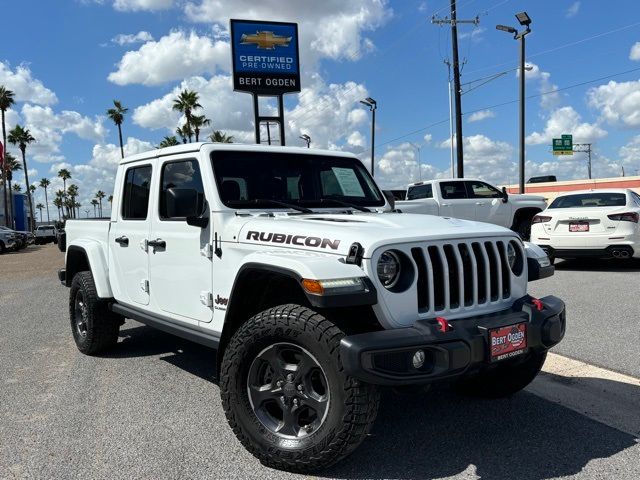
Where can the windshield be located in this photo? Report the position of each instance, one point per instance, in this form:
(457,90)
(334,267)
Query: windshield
(588,200)
(256,179)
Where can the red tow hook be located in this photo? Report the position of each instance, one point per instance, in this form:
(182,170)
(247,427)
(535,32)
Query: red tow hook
(443,325)
(538,304)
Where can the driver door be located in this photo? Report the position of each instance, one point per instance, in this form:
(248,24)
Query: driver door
(489,203)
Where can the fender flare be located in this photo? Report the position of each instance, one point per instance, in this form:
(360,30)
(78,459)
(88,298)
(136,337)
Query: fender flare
(90,253)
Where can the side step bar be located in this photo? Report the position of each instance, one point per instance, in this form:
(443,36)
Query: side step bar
(181,331)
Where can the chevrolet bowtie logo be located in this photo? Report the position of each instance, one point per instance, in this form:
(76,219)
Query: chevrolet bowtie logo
(266,40)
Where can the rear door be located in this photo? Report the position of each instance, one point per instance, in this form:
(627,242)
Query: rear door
(128,259)
(181,273)
(488,203)
(455,201)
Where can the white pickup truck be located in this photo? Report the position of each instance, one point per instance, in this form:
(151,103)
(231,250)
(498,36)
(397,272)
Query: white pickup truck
(290,263)
(473,199)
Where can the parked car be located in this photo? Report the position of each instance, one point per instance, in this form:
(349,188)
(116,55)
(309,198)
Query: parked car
(22,238)
(473,199)
(543,179)
(45,234)
(8,240)
(590,223)
(291,264)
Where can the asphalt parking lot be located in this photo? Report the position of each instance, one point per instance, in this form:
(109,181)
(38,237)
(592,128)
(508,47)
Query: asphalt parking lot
(151,408)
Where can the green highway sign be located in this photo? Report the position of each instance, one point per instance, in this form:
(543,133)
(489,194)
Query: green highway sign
(563,145)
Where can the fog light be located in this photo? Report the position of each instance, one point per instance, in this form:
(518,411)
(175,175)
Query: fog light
(418,359)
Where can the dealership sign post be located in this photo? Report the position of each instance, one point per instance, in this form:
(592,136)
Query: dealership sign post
(265,63)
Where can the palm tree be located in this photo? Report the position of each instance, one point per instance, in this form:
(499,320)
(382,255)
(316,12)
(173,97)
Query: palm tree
(220,137)
(94,202)
(40,206)
(168,142)
(72,191)
(198,121)
(11,164)
(65,175)
(32,189)
(57,202)
(44,183)
(22,137)
(110,199)
(100,195)
(6,100)
(17,188)
(116,114)
(186,103)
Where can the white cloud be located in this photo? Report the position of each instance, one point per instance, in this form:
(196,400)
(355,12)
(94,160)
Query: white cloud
(107,156)
(331,28)
(634,54)
(566,120)
(427,138)
(398,167)
(226,109)
(481,115)
(26,88)
(173,57)
(126,39)
(618,102)
(572,11)
(551,97)
(48,127)
(475,35)
(138,5)
(356,139)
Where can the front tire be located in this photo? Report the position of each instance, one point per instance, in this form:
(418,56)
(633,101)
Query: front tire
(285,393)
(95,328)
(504,380)
(523,228)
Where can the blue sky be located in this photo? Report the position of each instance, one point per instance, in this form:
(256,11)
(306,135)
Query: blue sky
(68,59)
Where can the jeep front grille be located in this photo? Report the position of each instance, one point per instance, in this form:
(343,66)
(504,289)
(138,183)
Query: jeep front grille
(461,274)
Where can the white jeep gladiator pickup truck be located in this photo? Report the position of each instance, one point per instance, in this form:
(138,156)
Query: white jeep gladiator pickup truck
(290,263)
(473,199)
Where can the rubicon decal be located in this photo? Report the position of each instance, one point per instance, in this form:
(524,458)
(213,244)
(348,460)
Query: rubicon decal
(301,240)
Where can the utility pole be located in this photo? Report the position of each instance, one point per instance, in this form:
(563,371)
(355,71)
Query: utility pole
(453,171)
(585,147)
(453,21)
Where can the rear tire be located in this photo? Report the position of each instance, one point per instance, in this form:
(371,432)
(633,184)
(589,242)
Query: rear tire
(2,247)
(285,393)
(95,328)
(503,381)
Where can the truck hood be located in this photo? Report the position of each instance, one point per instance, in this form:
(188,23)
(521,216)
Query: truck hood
(334,233)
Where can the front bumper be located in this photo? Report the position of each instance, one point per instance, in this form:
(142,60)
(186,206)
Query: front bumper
(384,357)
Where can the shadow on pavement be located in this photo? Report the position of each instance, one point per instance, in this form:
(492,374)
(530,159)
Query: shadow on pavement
(597,265)
(438,433)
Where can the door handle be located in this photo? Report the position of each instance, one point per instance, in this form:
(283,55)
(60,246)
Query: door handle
(157,243)
(124,241)
(480,203)
(445,204)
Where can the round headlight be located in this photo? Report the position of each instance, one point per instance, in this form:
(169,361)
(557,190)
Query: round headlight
(511,255)
(388,269)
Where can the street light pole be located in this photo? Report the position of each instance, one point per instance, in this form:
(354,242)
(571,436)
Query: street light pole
(525,21)
(307,139)
(522,106)
(372,104)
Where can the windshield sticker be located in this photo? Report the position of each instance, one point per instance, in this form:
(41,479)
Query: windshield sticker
(348,182)
(301,240)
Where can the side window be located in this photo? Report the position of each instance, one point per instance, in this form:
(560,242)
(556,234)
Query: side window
(483,190)
(179,182)
(453,190)
(135,197)
(420,191)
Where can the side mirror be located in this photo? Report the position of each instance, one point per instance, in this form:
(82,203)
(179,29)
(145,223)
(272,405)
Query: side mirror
(186,203)
(505,195)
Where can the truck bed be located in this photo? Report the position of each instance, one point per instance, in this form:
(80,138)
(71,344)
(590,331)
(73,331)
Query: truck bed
(96,229)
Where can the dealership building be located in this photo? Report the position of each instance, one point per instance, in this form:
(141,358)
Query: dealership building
(20,210)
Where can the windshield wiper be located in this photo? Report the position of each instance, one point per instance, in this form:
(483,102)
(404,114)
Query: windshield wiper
(268,201)
(345,204)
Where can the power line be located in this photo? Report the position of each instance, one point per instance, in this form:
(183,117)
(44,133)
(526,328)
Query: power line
(536,95)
